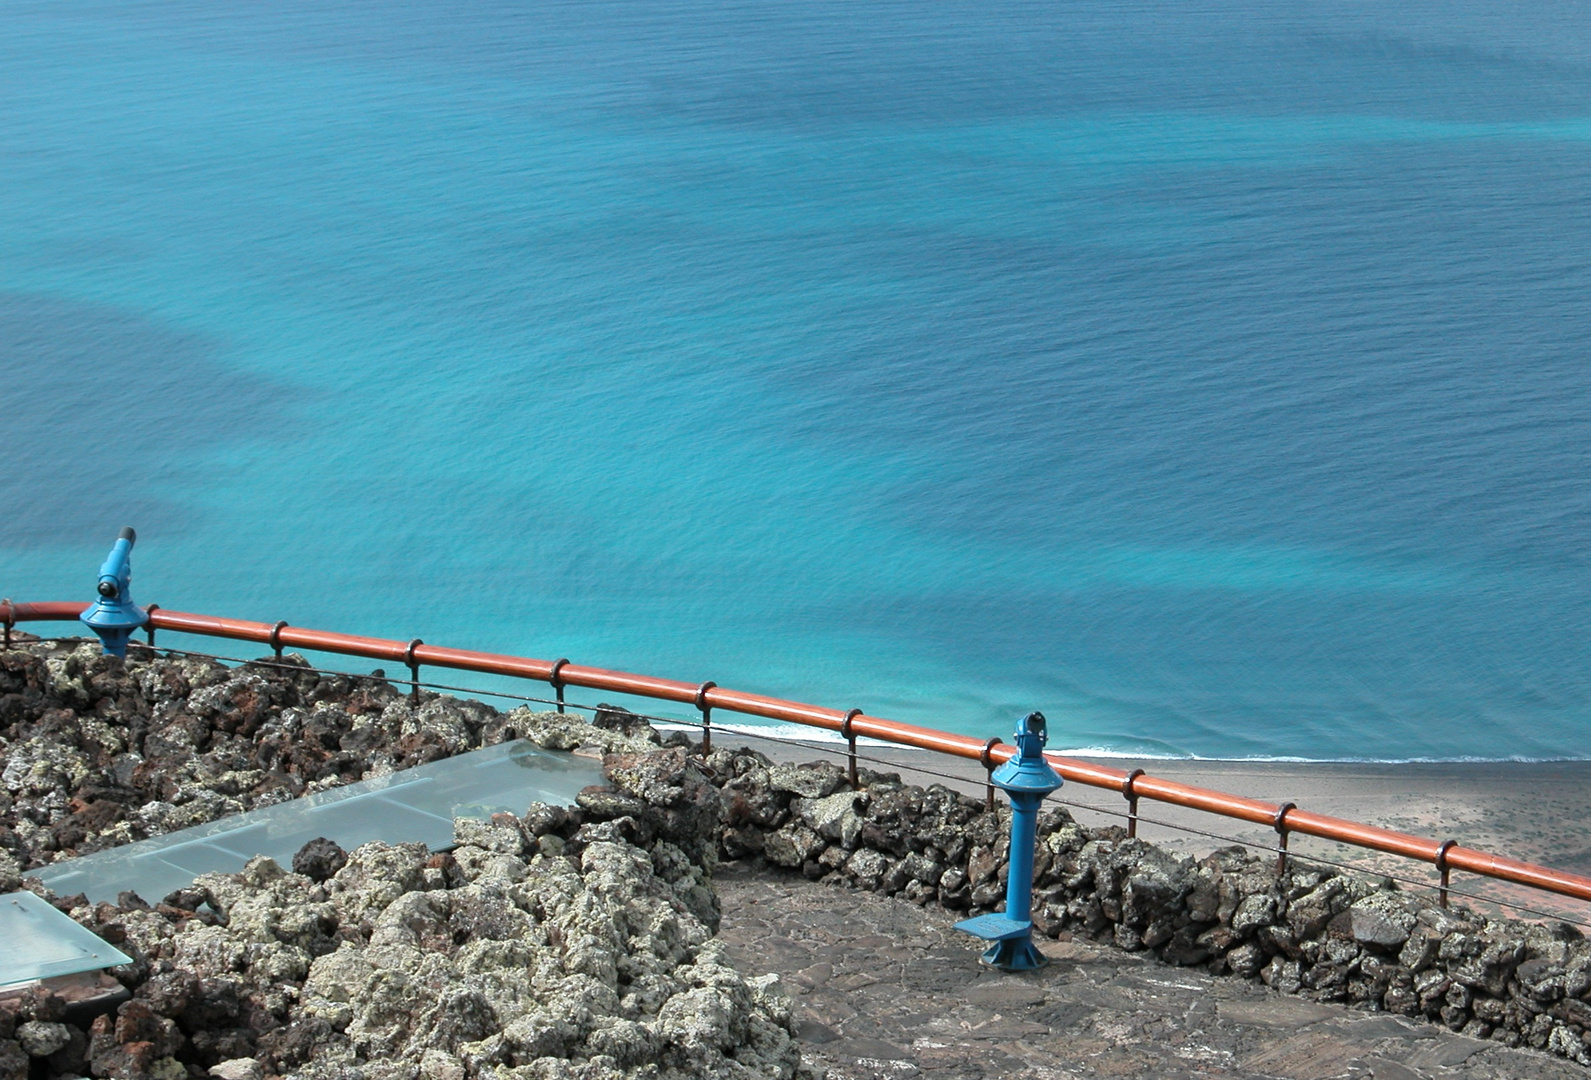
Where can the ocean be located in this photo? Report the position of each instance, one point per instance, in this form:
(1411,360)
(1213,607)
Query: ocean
(1213,378)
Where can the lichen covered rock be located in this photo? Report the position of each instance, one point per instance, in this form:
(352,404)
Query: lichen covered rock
(589,963)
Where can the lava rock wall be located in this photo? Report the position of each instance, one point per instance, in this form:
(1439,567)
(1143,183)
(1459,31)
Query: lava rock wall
(1323,934)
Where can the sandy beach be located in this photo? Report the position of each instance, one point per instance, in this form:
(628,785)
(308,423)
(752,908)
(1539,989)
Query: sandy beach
(1537,811)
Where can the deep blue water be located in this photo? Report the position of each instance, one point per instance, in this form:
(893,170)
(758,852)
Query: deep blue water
(1214,378)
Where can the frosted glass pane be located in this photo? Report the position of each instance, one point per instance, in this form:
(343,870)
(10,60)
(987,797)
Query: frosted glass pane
(417,804)
(39,942)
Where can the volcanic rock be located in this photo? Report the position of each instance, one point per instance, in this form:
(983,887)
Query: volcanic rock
(319,859)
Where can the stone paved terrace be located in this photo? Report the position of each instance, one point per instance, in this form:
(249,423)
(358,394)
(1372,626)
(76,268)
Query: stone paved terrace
(886,990)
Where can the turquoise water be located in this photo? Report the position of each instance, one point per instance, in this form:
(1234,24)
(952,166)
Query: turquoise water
(1212,378)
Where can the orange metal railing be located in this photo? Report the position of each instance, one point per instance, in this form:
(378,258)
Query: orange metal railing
(1285,819)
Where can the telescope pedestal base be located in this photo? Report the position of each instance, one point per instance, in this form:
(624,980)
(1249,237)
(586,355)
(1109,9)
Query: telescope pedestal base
(1013,942)
(1015,954)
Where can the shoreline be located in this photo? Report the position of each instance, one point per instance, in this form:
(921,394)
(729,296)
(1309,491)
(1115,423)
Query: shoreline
(784,731)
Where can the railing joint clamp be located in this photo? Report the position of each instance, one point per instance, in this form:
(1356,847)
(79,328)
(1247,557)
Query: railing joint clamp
(276,638)
(848,730)
(414,670)
(557,683)
(988,766)
(984,759)
(707,716)
(1279,823)
(1441,865)
(1129,792)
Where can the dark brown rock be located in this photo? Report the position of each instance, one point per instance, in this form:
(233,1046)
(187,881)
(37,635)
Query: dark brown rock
(319,859)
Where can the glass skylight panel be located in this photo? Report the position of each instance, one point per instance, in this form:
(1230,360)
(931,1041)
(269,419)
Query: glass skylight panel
(417,804)
(39,942)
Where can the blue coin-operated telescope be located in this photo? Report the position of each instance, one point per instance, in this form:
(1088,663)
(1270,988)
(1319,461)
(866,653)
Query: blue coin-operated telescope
(1027,778)
(114,616)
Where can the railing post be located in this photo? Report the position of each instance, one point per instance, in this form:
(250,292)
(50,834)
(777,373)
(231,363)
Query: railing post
(1131,796)
(557,683)
(1441,864)
(850,742)
(149,627)
(1279,823)
(414,670)
(707,716)
(6,604)
(1027,778)
(988,768)
(276,638)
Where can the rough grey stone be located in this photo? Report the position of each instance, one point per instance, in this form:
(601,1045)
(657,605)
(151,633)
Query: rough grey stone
(867,867)
(1252,913)
(835,817)
(40,1039)
(1383,920)
(814,781)
(792,845)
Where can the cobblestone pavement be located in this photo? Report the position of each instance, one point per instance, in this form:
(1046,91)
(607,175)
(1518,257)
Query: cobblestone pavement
(885,990)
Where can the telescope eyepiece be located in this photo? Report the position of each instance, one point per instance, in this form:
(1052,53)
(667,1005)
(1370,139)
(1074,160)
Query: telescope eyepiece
(127,533)
(108,590)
